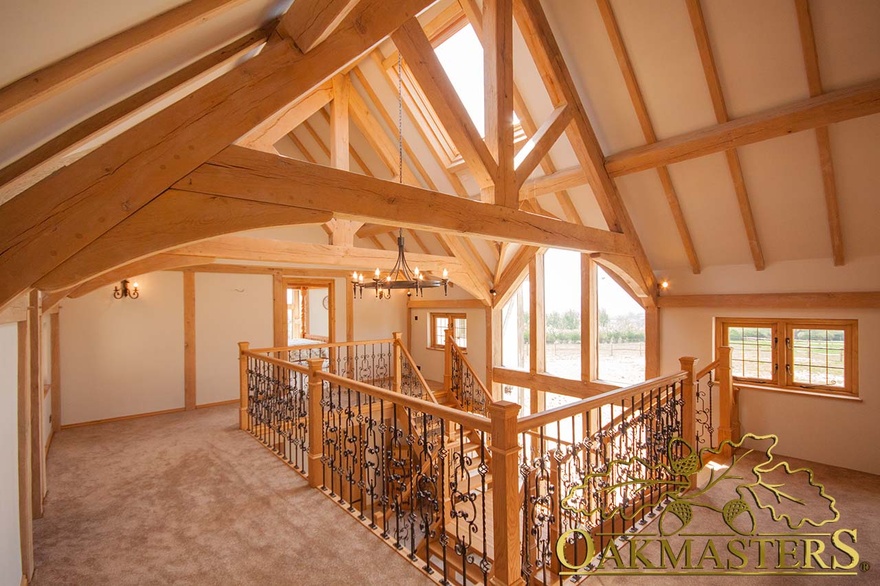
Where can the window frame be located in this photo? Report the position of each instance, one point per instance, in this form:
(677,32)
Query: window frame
(783,353)
(451,316)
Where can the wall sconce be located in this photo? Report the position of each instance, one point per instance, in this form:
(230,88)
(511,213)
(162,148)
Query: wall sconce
(123,290)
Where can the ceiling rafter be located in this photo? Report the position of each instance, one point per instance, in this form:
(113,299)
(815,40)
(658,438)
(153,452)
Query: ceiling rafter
(638,101)
(115,180)
(414,115)
(421,60)
(48,154)
(701,34)
(823,139)
(545,51)
(308,22)
(36,87)
(264,136)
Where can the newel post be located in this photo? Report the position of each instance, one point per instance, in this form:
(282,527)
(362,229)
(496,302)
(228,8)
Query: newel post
(447,361)
(316,422)
(397,371)
(728,410)
(688,409)
(243,384)
(506,501)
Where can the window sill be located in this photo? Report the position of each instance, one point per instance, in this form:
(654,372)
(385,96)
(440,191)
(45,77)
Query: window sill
(804,392)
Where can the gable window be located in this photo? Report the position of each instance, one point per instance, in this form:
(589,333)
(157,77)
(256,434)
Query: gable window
(794,354)
(440,322)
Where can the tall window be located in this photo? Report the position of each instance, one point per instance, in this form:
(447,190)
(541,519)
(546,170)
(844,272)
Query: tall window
(621,333)
(562,313)
(817,355)
(515,330)
(440,322)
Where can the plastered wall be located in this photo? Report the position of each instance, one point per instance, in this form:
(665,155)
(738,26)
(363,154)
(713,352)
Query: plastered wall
(10,540)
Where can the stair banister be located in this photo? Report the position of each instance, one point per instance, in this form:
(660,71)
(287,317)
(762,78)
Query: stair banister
(397,367)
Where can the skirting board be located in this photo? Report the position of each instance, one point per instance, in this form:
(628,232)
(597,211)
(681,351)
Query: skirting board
(150,414)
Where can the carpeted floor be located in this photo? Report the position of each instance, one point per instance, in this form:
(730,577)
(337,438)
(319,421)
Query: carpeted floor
(189,499)
(856,496)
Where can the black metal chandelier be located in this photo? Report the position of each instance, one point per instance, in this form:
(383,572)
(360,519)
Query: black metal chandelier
(400,276)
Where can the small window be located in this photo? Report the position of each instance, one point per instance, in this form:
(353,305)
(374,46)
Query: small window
(440,322)
(815,355)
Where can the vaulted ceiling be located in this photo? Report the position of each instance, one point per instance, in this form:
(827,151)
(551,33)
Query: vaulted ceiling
(707,134)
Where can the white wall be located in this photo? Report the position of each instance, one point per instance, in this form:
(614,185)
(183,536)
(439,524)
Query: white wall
(230,308)
(431,361)
(833,431)
(377,319)
(123,357)
(10,539)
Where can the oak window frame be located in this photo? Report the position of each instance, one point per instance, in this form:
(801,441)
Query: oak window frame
(784,371)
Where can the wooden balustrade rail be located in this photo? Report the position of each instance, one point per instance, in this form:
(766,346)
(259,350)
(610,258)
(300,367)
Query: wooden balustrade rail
(458,351)
(417,372)
(537,420)
(322,345)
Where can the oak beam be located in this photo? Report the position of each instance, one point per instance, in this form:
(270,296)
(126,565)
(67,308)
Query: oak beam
(541,142)
(497,41)
(247,174)
(823,140)
(42,159)
(843,300)
(544,49)
(416,49)
(172,219)
(264,136)
(638,101)
(189,340)
(41,85)
(158,262)
(308,22)
(553,182)
(837,106)
(112,182)
(351,258)
(698,23)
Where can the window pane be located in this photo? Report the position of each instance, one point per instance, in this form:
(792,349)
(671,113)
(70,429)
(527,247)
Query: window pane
(752,352)
(818,357)
(460,326)
(562,313)
(515,330)
(441,324)
(519,395)
(621,333)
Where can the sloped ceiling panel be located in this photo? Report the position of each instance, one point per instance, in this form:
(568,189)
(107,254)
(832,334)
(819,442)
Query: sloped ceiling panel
(847,41)
(854,146)
(661,46)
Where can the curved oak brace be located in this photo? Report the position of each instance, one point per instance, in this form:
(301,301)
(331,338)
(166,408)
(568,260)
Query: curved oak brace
(173,219)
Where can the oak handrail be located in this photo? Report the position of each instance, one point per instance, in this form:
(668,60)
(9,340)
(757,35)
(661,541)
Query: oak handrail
(276,361)
(418,372)
(709,368)
(475,421)
(558,413)
(467,363)
(324,345)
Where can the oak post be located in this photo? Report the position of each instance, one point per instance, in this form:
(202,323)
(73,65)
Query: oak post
(243,383)
(728,415)
(316,421)
(38,455)
(506,503)
(688,409)
(447,362)
(397,383)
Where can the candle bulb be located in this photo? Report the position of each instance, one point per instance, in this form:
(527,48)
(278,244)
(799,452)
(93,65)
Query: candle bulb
(377,273)
(445,274)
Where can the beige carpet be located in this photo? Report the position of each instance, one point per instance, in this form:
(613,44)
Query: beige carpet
(187,498)
(857,498)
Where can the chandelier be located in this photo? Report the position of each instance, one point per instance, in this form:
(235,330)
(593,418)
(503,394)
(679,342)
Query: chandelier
(400,276)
